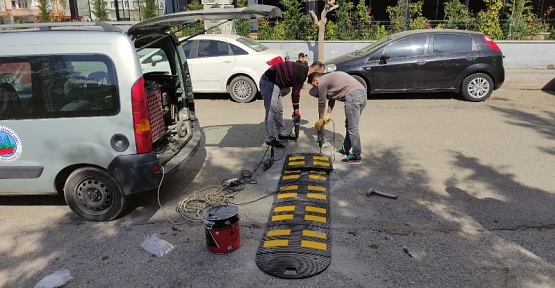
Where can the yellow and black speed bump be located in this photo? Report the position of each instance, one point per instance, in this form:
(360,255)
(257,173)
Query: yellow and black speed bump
(297,242)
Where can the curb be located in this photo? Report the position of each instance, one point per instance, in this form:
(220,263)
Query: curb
(529,79)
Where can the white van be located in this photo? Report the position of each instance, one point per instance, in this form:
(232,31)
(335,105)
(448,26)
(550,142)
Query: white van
(79,117)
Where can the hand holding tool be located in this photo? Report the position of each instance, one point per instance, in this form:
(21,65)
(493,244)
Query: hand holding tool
(297,115)
(318,125)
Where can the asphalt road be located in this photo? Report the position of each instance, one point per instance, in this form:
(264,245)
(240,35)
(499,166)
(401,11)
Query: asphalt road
(475,204)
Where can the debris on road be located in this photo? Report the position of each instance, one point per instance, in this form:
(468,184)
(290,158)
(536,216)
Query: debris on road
(56,279)
(157,246)
(407,251)
(384,194)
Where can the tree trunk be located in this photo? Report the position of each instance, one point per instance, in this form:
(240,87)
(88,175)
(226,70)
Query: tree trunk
(329,6)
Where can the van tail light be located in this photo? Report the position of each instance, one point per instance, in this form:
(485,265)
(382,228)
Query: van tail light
(141,119)
(275,61)
(491,44)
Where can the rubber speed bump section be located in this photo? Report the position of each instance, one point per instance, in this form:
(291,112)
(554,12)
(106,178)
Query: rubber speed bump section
(308,161)
(297,242)
(294,251)
(302,192)
(301,213)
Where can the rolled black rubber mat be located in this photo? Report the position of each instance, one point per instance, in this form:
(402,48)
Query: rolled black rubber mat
(297,242)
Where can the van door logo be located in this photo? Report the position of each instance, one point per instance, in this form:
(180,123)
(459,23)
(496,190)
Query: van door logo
(10,145)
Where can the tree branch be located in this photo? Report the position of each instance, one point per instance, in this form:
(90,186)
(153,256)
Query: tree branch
(314,17)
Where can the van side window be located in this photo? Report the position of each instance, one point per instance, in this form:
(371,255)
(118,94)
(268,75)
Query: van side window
(67,86)
(15,88)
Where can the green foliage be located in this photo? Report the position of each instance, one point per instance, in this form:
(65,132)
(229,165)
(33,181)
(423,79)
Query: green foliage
(364,19)
(100,11)
(309,30)
(398,21)
(377,31)
(149,10)
(457,16)
(243,26)
(194,5)
(45,10)
(279,31)
(331,31)
(417,20)
(487,21)
(522,22)
(193,28)
(344,22)
(265,31)
(292,13)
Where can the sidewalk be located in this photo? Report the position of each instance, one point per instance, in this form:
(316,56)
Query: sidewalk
(529,79)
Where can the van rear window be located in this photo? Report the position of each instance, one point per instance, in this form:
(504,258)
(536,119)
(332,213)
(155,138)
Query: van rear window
(57,86)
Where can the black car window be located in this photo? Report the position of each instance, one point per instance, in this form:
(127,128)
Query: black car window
(187,48)
(407,47)
(211,48)
(238,50)
(451,43)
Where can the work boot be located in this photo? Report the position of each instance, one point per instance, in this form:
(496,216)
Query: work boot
(342,150)
(351,159)
(275,143)
(287,137)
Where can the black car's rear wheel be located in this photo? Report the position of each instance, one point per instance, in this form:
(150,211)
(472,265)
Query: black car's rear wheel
(477,87)
(362,81)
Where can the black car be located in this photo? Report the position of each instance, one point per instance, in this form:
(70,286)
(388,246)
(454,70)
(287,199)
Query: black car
(427,60)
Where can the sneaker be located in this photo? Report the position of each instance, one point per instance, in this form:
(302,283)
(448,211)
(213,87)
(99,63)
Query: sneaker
(276,144)
(342,150)
(352,160)
(287,137)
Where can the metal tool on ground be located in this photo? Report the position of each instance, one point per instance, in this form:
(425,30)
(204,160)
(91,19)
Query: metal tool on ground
(384,194)
(270,161)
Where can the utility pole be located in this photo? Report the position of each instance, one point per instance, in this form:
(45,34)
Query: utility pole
(116,5)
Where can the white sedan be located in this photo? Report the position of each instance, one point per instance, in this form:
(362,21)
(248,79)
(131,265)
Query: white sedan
(221,64)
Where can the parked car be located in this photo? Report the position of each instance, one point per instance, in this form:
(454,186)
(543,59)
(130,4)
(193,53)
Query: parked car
(80,118)
(427,60)
(221,64)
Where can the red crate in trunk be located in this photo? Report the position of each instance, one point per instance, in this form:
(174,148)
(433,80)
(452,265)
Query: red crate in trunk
(154,98)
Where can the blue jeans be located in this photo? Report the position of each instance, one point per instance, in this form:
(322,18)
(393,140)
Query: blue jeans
(273,117)
(354,104)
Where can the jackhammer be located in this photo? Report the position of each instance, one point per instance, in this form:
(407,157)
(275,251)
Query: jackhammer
(296,124)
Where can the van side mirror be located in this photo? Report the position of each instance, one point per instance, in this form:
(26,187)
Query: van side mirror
(384,58)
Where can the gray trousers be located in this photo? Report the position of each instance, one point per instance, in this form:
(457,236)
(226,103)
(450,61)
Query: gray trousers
(273,118)
(354,104)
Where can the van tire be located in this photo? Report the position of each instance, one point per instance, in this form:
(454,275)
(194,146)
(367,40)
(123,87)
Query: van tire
(242,89)
(105,199)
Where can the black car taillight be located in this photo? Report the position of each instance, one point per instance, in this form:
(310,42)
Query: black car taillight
(492,45)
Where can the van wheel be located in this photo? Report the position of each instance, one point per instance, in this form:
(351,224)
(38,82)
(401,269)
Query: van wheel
(477,87)
(242,89)
(94,194)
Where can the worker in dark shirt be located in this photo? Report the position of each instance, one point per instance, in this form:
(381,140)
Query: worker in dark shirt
(277,78)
